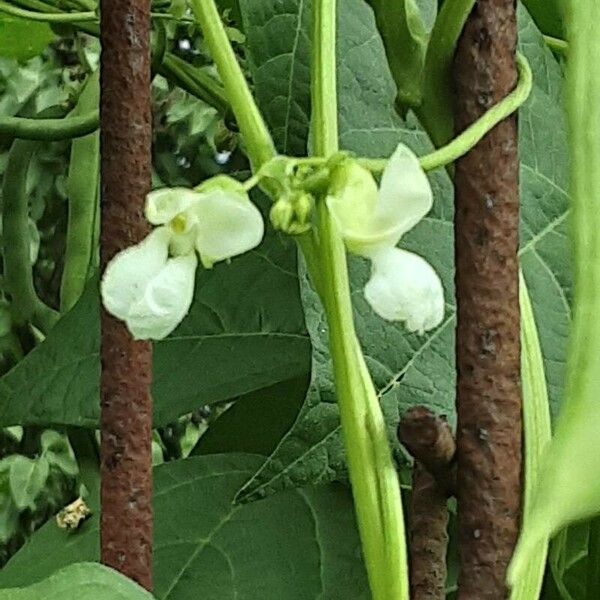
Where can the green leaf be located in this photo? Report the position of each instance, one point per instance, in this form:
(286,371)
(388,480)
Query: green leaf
(256,422)
(300,545)
(278,38)
(85,581)
(22,39)
(407,369)
(27,478)
(245,331)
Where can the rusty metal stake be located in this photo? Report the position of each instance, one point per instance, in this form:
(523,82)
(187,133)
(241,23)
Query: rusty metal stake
(487,350)
(126,421)
(430,441)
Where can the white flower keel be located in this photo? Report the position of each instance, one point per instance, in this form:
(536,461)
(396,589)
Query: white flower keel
(405,287)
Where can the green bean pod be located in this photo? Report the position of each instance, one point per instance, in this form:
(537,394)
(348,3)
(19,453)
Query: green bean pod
(82,190)
(50,130)
(25,304)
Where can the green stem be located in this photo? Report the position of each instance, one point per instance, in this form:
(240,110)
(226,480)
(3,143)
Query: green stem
(473,134)
(195,81)
(58,17)
(374,480)
(557,45)
(25,305)
(324,80)
(50,130)
(257,138)
(436,110)
(82,190)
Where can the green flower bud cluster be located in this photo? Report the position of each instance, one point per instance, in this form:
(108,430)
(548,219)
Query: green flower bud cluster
(292,212)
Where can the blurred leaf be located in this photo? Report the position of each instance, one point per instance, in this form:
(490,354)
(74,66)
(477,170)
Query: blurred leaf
(84,581)
(568,561)
(9,513)
(300,545)
(23,39)
(56,449)
(27,479)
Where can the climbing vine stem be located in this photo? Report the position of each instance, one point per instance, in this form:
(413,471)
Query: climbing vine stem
(257,138)
(375,485)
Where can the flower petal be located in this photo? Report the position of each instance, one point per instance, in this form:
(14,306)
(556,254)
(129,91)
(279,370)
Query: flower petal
(352,200)
(228,225)
(166,301)
(164,205)
(405,195)
(128,274)
(404,287)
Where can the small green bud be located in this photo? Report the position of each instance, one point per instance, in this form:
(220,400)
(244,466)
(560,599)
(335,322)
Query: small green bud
(282,214)
(303,204)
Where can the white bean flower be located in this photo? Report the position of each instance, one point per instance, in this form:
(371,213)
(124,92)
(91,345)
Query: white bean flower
(403,286)
(150,286)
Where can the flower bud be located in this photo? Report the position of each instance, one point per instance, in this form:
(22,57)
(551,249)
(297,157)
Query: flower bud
(282,213)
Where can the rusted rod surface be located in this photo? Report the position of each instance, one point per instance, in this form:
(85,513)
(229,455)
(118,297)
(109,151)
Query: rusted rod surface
(487,349)
(428,537)
(430,441)
(126,526)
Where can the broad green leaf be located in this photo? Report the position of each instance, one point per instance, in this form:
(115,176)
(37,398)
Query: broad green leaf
(299,545)
(407,369)
(257,421)
(22,39)
(85,581)
(27,478)
(245,331)
(278,44)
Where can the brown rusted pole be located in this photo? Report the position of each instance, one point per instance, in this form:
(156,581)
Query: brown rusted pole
(126,421)
(430,441)
(428,537)
(487,347)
